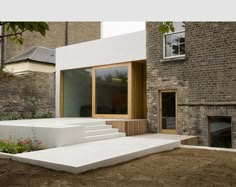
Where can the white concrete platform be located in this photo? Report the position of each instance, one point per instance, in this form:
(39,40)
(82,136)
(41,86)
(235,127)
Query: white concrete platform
(57,132)
(91,155)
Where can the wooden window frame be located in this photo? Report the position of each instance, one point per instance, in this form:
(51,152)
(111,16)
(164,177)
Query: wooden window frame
(128,115)
(167,131)
(61,94)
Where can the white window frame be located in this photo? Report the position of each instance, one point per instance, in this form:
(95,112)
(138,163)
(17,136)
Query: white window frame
(164,45)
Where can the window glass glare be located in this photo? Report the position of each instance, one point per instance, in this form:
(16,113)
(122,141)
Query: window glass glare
(179,26)
(175,42)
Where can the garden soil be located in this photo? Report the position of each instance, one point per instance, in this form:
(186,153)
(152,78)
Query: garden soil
(180,167)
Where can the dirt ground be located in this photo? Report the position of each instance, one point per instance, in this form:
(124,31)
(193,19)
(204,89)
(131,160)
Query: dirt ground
(180,167)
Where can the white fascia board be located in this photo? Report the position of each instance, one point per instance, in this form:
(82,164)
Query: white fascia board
(123,48)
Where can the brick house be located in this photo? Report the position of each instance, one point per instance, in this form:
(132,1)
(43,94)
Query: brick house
(191,81)
(182,82)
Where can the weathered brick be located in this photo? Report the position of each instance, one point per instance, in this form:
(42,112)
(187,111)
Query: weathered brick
(205,81)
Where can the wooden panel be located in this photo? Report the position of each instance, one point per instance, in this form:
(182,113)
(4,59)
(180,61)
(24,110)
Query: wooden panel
(130,127)
(121,125)
(62,94)
(144,92)
(93,92)
(138,90)
(130,90)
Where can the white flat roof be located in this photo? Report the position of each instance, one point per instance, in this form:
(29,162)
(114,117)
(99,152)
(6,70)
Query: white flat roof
(123,48)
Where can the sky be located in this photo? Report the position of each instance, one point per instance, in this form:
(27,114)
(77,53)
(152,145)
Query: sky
(110,29)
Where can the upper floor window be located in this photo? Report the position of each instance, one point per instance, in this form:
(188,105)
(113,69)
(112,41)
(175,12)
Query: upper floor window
(174,42)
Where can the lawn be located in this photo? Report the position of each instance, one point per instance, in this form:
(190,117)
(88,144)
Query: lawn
(180,167)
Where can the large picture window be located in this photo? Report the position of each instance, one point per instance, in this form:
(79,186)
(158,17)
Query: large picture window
(112,90)
(106,91)
(174,42)
(78,93)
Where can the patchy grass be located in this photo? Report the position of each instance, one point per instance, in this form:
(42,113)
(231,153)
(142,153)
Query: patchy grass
(180,167)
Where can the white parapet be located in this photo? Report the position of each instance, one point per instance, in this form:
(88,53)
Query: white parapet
(51,135)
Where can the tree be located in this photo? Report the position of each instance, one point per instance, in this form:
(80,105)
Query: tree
(15,31)
(166,27)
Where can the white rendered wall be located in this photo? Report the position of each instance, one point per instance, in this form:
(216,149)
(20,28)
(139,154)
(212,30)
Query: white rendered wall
(123,48)
(54,136)
(27,66)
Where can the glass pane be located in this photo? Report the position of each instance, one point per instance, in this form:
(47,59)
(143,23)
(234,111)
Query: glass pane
(112,90)
(182,49)
(179,26)
(182,37)
(220,132)
(168,49)
(174,44)
(78,93)
(168,110)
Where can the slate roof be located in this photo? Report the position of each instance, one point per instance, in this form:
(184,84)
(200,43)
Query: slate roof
(36,54)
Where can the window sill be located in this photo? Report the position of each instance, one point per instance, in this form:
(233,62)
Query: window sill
(170,59)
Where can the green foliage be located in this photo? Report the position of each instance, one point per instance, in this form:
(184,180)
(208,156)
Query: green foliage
(166,27)
(19,146)
(16,29)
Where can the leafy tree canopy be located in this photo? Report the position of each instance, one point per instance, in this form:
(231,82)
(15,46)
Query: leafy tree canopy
(14,30)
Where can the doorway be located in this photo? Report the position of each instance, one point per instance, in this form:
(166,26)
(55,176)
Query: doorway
(168,112)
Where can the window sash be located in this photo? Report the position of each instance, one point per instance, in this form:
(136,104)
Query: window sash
(178,43)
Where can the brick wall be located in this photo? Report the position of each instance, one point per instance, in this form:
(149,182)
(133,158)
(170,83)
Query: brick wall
(30,94)
(205,80)
(56,37)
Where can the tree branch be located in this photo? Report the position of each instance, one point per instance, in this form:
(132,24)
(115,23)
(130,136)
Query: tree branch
(13,34)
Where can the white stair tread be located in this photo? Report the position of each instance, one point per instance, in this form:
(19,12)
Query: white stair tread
(111,134)
(101,131)
(104,136)
(94,123)
(97,127)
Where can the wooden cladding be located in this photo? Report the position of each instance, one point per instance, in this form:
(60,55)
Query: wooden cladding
(130,127)
(138,86)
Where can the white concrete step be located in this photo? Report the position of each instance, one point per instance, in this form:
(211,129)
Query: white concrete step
(100,132)
(94,123)
(89,123)
(104,136)
(97,127)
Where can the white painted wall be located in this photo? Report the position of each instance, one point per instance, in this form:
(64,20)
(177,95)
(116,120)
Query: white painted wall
(123,48)
(27,66)
(51,137)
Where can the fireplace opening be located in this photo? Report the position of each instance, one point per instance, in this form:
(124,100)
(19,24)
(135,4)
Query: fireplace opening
(220,132)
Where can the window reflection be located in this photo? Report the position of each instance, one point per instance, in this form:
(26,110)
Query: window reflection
(175,42)
(112,90)
(78,93)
